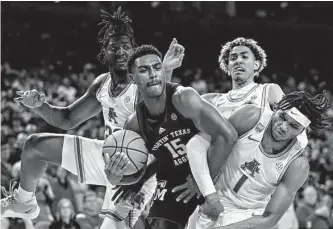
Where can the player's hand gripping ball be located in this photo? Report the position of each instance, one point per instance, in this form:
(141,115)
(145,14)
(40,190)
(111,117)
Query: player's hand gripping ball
(124,153)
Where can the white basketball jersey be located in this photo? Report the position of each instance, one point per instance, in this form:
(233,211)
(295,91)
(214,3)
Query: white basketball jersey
(250,175)
(254,93)
(227,103)
(117,109)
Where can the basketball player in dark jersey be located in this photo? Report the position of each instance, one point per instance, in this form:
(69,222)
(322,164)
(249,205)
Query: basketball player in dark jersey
(167,118)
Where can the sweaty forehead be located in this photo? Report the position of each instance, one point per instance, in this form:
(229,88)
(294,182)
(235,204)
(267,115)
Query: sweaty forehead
(147,60)
(121,39)
(240,49)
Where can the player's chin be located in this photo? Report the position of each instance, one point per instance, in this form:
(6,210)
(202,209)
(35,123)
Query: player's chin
(122,67)
(239,76)
(155,94)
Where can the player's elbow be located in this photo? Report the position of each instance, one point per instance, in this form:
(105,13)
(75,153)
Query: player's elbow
(68,121)
(271,219)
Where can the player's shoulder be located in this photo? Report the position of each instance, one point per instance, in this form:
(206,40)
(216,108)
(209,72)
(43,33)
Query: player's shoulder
(300,164)
(96,84)
(132,123)
(249,112)
(184,94)
(296,173)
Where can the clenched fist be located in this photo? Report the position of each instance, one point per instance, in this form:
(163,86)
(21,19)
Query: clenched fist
(31,99)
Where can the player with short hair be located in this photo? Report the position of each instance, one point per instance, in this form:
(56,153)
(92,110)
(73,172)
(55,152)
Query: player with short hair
(113,93)
(260,179)
(167,117)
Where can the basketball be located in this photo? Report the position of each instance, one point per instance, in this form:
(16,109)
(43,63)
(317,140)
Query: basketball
(130,143)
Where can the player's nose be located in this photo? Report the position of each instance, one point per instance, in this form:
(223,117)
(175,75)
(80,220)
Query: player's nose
(284,127)
(152,73)
(121,51)
(238,60)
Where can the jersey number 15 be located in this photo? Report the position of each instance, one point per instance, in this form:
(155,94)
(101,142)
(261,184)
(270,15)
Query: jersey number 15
(176,149)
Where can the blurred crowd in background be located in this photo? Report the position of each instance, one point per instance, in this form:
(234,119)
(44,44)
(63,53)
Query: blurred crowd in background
(53,49)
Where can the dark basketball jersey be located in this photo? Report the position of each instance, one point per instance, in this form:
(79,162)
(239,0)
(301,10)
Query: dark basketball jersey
(166,137)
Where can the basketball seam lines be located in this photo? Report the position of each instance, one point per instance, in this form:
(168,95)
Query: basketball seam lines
(127,148)
(106,147)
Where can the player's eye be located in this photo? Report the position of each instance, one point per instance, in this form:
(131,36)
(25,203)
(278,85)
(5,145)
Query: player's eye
(245,57)
(142,70)
(113,49)
(233,58)
(158,66)
(294,126)
(126,47)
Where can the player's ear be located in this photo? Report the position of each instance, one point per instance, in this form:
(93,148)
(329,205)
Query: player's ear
(257,64)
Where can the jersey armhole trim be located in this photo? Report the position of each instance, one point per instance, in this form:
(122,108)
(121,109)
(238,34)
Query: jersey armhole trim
(102,84)
(299,153)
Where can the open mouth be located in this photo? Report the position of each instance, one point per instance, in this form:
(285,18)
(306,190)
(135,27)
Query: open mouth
(121,61)
(154,83)
(239,70)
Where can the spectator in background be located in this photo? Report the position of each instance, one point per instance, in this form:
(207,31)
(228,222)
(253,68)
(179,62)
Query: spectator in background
(45,196)
(329,186)
(89,218)
(199,84)
(30,129)
(322,217)
(16,223)
(62,188)
(66,91)
(65,216)
(16,154)
(6,168)
(306,207)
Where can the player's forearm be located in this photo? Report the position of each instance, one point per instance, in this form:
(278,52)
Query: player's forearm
(55,116)
(255,222)
(196,150)
(168,74)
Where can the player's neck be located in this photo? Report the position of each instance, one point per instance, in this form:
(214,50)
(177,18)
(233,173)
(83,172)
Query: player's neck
(237,85)
(156,106)
(118,77)
(270,145)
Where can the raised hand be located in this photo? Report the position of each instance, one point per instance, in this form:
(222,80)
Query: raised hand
(115,166)
(31,99)
(174,56)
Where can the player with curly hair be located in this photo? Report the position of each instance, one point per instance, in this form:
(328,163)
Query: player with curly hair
(242,59)
(116,96)
(262,175)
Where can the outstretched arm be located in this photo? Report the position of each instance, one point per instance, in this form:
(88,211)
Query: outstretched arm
(65,117)
(281,200)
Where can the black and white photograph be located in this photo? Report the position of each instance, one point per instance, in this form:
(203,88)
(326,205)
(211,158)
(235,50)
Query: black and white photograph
(166,115)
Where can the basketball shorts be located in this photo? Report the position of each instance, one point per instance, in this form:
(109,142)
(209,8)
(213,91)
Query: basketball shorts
(83,157)
(230,215)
